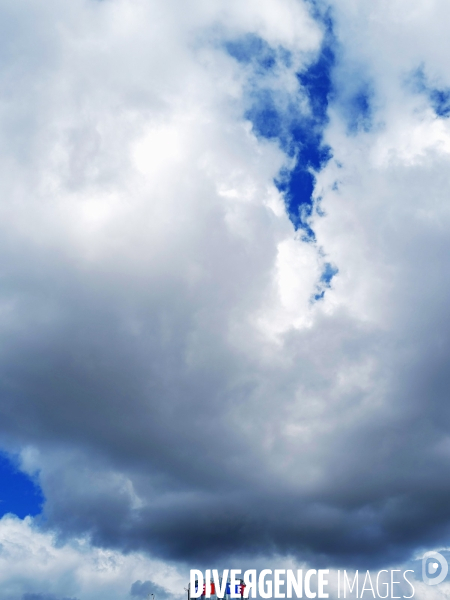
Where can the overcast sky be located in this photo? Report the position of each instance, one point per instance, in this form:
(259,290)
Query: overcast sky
(224,289)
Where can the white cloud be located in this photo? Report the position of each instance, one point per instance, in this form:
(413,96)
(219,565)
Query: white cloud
(35,563)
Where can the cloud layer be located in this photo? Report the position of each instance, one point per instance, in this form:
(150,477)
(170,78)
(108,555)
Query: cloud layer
(177,370)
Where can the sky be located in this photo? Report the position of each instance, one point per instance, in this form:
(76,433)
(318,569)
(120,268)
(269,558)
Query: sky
(224,290)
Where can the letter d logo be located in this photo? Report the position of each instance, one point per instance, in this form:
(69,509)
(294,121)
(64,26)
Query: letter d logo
(430,564)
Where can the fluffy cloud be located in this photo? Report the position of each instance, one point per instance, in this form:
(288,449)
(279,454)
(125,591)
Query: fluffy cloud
(33,566)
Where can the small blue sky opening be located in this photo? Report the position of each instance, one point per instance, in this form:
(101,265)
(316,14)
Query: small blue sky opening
(252,49)
(299,134)
(19,494)
(265,117)
(307,140)
(329,271)
(439,97)
(359,111)
(296,123)
(440,101)
(316,82)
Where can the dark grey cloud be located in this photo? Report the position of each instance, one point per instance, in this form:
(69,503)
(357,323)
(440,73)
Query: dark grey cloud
(143,589)
(109,410)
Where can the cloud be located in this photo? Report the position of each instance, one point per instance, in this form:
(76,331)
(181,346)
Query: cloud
(144,589)
(150,229)
(186,374)
(33,566)
(42,597)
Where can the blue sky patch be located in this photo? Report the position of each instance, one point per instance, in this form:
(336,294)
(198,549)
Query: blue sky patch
(439,97)
(252,49)
(307,140)
(18,492)
(316,82)
(266,118)
(329,271)
(299,132)
(359,111)
(296,122)
(440,101)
